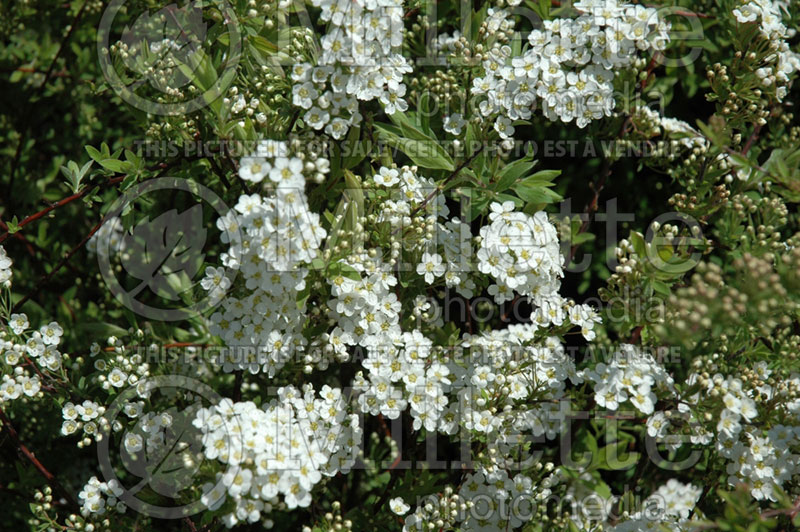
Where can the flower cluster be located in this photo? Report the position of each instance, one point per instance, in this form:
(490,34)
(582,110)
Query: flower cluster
(359,61)
(21,349)
(98,497)
(668,508)
(775,74)
(19,384)
(150,432)
(568,69)
(405,369)
(489,499)
(759,458)
(271,237)
(633,376)
(489,491)
(5,268)
(441,511)
(447,243)
(365,310)
(405,374)
(521,253)
(512,383)
(284,448)
(84,416)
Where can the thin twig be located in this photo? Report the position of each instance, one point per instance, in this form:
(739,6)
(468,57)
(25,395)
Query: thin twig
(45,279)
(39,90)
(51,479)
(61,203)
(72,27)
(444,183)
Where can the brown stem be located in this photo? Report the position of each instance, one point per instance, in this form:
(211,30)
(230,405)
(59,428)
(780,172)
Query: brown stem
(45,279)
(444,183)
(61,203)
(49,477)
(751,139)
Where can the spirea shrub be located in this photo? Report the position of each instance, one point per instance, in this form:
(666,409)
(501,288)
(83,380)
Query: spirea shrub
(415,266)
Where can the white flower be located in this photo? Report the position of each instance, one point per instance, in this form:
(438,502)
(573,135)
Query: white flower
(747,13)
(317,118)
(69,412)
(215,281)
(5,261)
(503,126)
(9,390)
(254,169)
(68,427)
(431,266)
(399,506)
(748,409)
(5,267)
(117,378)
(454,123)
(644,399)
(19,323)
(133,443)
(657,425)
(30,386)
(387,176)
(51,333)
(87,410)
(288,172)
(304,95)
(393,101)
(337,128)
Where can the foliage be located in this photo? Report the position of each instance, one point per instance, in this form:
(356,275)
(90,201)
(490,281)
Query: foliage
(417,207)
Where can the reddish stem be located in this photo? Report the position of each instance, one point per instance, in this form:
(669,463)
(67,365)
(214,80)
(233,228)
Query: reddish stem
(49,477)
(61,203)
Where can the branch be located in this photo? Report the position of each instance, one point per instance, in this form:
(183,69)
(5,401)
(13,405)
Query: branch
(48,74)
(63,44)
(61,203)
(46,278)
(598,186)
(51,479)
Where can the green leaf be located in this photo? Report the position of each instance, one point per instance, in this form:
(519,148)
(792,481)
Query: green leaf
(13,226)
(661,287)
(581,238)
(94,154)
(536,194)
(354,150)
(542,177)
(115,165)
(100,330)
(166,252)
(204,76)
(511,172)
(262,45)
(349,209)
(350,272)
(423,150)
(639,246)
